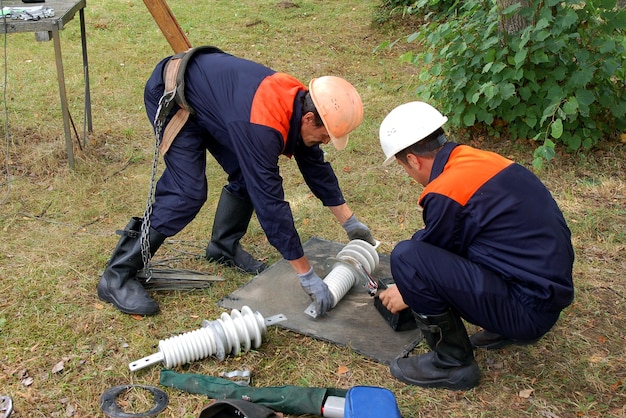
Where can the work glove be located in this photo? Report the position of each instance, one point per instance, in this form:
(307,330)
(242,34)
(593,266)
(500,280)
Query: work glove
(357,230)
(315,287)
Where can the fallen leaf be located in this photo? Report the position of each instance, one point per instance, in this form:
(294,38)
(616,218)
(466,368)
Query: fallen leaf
(525,393)
(70,410)
(99,306)
(28,381)
(497,365)
(598,358)
(342,370)
(137,317)
(58,367)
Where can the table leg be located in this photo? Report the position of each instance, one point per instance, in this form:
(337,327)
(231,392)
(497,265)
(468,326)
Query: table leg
(83,38)
(63,94)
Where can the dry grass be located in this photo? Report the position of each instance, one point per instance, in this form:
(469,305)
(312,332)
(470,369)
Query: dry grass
(58,225)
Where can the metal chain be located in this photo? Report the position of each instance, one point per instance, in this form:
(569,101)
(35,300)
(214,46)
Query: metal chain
(165,105)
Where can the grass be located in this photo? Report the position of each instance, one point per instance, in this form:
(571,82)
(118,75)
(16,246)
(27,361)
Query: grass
(62,347)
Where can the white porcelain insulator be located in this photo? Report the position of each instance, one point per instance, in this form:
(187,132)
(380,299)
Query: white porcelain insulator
(342,277)
(340,280)
(230,334)
(187,347)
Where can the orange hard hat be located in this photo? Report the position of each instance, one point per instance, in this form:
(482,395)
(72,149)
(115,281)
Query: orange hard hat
(339,105)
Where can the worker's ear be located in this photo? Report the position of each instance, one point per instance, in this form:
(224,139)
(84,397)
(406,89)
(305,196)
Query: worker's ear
(413,161)
(308,118)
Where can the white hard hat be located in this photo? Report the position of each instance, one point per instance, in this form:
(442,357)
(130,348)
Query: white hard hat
(339,105)
(406,125)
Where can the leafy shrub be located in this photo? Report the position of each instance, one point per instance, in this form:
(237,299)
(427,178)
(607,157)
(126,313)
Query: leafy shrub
(560,79)
(424,7)
(389,8)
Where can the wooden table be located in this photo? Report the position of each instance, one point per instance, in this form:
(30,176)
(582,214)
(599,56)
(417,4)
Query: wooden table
(46,28)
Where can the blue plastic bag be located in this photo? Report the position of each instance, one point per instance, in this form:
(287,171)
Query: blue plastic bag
(371,402)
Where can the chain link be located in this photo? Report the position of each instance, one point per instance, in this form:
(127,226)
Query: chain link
(165,105)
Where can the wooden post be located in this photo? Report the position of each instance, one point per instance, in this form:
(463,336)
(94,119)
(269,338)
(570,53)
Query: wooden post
(164,17)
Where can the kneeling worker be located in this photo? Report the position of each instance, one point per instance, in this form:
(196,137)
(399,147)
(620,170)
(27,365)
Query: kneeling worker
(495,250)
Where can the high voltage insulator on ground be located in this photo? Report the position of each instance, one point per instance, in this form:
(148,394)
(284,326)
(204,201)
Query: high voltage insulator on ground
(228,335)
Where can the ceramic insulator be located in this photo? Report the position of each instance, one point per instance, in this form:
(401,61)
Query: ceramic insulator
(340,280)
(228,335)
(345,272)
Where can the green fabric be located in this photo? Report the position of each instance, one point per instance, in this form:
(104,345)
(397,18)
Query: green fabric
(288,399)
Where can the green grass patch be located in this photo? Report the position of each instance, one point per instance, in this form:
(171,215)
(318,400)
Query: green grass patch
(57,226)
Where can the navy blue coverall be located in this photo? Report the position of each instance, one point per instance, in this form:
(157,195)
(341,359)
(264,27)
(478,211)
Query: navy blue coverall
(495,247)
(247,116)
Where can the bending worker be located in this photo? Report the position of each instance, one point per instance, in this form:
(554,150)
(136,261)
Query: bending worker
(246,115)
(495,250)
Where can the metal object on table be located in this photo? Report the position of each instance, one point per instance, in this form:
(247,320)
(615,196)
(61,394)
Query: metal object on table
(28,12)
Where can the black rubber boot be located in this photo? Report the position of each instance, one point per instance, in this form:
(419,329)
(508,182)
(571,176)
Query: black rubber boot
(232,218)
(118,284)
(451,362)
(492,341)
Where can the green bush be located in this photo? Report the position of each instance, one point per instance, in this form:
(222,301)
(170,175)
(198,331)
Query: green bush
(559,80)
(390,8)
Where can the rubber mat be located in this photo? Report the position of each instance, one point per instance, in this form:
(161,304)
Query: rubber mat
(354,322)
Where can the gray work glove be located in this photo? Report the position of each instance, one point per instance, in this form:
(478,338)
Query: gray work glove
(357,230)
(315,287)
